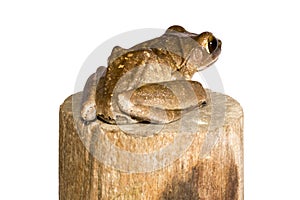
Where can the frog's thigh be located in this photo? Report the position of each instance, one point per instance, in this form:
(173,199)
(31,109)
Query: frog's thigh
(162,102)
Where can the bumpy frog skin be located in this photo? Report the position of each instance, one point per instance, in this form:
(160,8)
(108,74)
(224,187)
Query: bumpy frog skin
(151,82)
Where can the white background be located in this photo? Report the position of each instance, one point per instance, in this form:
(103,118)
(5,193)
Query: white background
(44,43)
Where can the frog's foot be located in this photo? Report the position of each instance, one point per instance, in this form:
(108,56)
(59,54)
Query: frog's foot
(163,102)
(88,103)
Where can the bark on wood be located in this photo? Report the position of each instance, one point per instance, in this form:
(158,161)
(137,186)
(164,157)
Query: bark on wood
(210,167)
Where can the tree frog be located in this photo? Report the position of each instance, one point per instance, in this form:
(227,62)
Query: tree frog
(151,81)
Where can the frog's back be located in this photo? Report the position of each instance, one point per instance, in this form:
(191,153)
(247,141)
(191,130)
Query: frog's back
(130,70)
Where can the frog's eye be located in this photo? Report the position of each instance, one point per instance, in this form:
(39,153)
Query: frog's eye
(212,44)
(208,41)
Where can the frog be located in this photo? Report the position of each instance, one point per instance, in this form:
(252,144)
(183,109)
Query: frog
(151,82)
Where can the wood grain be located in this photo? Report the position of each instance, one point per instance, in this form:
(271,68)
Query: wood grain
(210,167)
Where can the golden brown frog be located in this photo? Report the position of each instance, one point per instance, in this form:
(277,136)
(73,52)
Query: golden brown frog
(150,82)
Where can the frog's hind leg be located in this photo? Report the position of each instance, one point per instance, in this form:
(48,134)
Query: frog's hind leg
(162,102)
(148,114)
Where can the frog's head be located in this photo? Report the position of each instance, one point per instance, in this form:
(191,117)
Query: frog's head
(211,49)
(202,53)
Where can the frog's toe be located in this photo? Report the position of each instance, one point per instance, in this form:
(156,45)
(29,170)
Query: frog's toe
(88,112)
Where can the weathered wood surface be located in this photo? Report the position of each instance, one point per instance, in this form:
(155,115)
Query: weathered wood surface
(100,161)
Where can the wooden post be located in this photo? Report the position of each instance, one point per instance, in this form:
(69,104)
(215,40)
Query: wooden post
(199,157)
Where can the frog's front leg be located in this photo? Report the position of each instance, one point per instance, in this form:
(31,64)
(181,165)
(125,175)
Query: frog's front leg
(88,103)
(162,102)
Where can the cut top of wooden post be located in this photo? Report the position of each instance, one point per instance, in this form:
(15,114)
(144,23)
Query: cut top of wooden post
(197,157)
